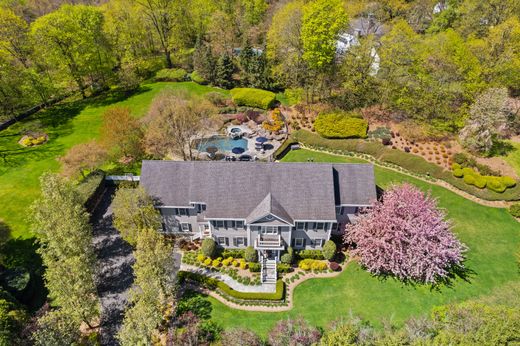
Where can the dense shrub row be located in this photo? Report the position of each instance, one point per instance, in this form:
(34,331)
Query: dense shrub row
(171,75)
(341,125)
(414,164)
(472,177)
(312,264)
(90,189)
(284,148)
(251,97)
(311,254)
(212,283)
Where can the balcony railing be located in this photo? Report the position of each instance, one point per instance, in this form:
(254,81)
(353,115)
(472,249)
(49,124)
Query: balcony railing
(268,241)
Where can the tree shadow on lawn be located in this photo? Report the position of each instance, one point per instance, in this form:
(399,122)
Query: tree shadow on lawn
(455,273)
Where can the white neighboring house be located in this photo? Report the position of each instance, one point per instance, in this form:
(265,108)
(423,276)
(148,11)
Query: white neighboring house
(361,27)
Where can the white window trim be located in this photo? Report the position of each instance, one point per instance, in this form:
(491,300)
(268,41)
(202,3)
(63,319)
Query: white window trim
(187,226)
(296,242)
(221,238)
(317,240)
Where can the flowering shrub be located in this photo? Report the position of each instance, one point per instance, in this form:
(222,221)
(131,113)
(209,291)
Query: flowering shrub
(201,257)
(276,122)
(243,264)
(207,261)
(310,264)
(407,236)
(216,263)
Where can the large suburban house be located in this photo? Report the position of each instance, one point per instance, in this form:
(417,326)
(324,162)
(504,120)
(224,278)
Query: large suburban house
(266,205)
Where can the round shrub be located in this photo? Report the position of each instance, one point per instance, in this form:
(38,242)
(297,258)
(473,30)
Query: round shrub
(201,257)
(455,166)
(254,267)
(197,78)
(515,210)
(207,261)
(243,264)
(341,125)
(458,173)
(250,254)
(495,184)
(508,181)
(329,250)
(334,266)
(288,257)
(235,263)
(468,171)
(209,247)
(480,182)
(216,263)
(469,179)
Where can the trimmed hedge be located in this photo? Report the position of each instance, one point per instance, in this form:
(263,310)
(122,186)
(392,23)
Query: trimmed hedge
(311,254)
(340,125)
(170,75)
(212,283)
(197,78)
(251,97)
(410,162)
(91,189)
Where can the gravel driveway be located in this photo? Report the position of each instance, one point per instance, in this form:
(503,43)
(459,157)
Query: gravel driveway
(115,275)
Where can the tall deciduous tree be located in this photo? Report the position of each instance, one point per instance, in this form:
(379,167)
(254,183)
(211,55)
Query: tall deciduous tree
(82,157)
(154,289)
(174,122)
(407,236)
(121,134)
(322,22)
(72,39)
(487,121)
(65,235)
(133,212)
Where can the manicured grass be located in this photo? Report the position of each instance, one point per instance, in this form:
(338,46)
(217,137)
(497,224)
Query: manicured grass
(67,125)
(513,157)
(493,238)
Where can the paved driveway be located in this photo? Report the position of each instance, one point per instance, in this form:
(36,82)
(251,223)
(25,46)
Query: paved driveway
(114,274)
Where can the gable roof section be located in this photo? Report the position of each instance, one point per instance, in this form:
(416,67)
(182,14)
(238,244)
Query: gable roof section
(269,206)
(245,190)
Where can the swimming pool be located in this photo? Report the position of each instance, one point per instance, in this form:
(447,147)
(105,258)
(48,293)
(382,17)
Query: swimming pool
(223,143)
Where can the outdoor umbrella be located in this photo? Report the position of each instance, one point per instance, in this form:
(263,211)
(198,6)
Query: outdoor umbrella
(262,139)
(237,150)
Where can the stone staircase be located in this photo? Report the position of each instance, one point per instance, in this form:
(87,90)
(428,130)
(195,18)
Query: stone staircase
(268,271)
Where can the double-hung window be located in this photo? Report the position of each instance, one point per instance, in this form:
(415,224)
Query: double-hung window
(240,241)
(320,226)
(222,241)
(186,227)
(219,224)
(300,226)
(299,242)
(240,224)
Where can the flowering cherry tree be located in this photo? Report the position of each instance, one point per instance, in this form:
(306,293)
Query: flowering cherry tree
(405,235)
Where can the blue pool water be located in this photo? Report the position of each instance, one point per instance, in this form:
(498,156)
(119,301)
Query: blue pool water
(222,143)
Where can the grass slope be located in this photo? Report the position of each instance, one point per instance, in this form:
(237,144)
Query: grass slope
(67,125)
(513,157)
(492,236)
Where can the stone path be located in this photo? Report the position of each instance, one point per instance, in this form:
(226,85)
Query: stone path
(237,286)
(289,288)
(114,272)
(442,183)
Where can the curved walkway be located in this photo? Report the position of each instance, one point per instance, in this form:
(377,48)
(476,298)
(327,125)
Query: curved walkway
(442,183)
(289,295)
(228,280)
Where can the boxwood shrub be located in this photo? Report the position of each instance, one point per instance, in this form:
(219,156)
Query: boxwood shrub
(312,254)
(170,75)
(197,78)
(278,295)
(341,125)
(251,97)
(411,162)
(515,210)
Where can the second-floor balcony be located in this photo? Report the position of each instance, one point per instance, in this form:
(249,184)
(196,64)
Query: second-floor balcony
(269,242)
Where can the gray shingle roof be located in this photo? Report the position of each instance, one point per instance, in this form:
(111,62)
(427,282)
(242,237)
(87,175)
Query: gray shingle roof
(240,190)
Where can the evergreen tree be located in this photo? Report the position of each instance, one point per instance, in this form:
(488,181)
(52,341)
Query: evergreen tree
(224,72)
(203,60)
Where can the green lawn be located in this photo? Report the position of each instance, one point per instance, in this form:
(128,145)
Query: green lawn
(513,157)
(492,235)
(67,124)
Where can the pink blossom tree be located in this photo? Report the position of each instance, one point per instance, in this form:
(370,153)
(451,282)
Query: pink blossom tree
(405,235)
